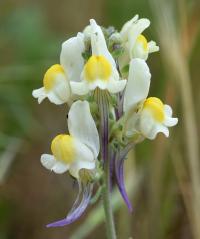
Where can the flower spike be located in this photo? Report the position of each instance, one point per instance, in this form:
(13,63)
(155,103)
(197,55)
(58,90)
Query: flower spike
(104,78)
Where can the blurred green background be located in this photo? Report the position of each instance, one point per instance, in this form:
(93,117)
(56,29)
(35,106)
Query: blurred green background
(163,176)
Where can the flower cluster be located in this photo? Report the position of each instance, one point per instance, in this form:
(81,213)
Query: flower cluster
(104,78)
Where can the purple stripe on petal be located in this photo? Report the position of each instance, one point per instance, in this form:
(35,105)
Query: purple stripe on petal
(119,172)
(77,209)
(104,129)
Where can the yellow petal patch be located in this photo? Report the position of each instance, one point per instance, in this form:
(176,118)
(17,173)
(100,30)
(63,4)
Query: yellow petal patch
(50,76)
(142,40)
(97,67)
(63,148)
(156,107)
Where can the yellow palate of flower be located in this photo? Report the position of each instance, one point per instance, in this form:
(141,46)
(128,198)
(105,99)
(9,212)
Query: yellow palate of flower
(97,67)
(50,76)
(63,148)
(142,40)
(156,107)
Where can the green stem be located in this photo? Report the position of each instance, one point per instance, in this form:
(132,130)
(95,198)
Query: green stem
(106,194)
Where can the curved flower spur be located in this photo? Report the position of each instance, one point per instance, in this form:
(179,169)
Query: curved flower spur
(104,77)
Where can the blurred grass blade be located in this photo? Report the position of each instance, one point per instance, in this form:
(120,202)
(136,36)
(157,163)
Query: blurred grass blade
(7,158)
(177,67)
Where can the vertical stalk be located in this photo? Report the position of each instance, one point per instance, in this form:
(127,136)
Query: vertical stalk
(104,130)
(110,226)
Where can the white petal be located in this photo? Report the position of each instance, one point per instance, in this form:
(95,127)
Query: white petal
(149,127)
(71,56)
(137,87)
(152,47)
(76,167)
(87,31)
(169,121)
(79,88)
(62,88)
(59,91)
(40,94)
(163,129)
(97,83)
(48,161)
(168,110)
(60,167)
(116,86)
(126,27)
(132,124)
(135,30)
(98,43)
(53,98)
(124,59)
(82,126)
(113,84)
(139,52)
(84,159)
(146,124)
(158,128)
(63,92)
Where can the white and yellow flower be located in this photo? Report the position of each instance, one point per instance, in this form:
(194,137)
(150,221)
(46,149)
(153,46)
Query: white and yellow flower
(135,43)
(56,81)
(100,69)
(55,86)
(77,150)
(145,116)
